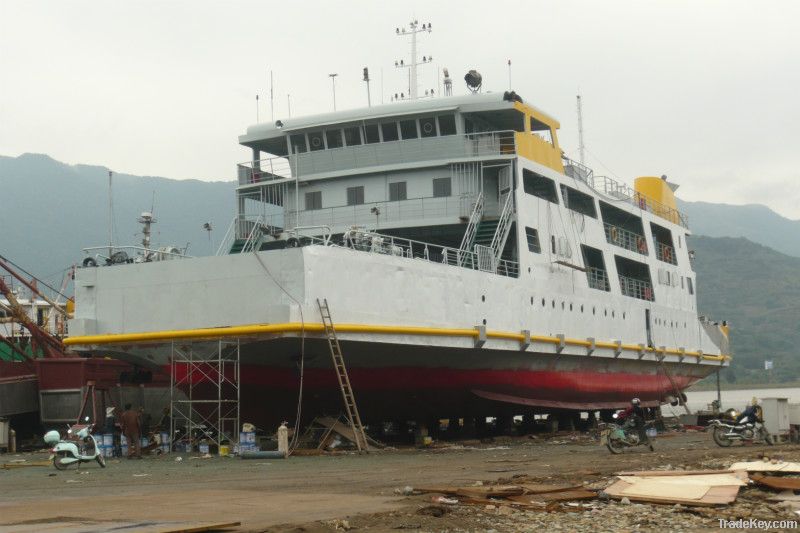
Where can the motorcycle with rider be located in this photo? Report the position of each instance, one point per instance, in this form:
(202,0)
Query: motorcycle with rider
(630,429)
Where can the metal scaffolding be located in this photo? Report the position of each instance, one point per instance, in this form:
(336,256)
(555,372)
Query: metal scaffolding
(207,373)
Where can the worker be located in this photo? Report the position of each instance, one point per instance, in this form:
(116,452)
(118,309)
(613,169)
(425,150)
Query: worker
(164,422)
(132,429)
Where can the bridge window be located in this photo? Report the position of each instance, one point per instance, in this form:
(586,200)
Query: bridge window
(313,200)
(355,195)
(352,136)
(540,186)
(397,191)
(298,142)
(541,130)
(389,130)
(371,135)
(334,138)
(533,240)
(441,187)
(690,285)
(316,141)
(408,129)
(427,126)
(447,125)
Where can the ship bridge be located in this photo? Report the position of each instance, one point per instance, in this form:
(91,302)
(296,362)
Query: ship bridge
(413,169)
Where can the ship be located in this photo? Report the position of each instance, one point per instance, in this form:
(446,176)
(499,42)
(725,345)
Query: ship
(471,269)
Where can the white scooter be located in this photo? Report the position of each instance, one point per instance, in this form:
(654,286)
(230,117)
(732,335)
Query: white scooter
(79,447)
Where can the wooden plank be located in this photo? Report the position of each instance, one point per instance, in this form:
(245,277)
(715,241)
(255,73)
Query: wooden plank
(777,483)
(562,496)
(543,488)
(197,528)
(767,466)
(653,473)
(491,491)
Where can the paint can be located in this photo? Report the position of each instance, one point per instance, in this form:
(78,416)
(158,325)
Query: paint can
(203,448)
(107,439)
(224,450)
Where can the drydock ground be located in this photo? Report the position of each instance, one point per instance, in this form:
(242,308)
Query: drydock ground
(364,493)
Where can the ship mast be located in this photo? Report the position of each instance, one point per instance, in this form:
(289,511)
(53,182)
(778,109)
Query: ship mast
(415,28)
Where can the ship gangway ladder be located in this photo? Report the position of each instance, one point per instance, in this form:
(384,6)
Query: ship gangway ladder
(344,380)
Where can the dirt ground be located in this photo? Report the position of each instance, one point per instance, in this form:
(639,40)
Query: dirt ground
(364,492)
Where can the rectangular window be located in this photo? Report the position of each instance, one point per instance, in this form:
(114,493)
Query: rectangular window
(539,186)
(447,125)
(408,129)
(352,136)
(578,201)
(298,143)
(397,191)
(371,135)
(355,195)
(389,130)
(315,140)
(334,138)
(689,285)
(427,126)
(313,200)
(441,187)
(533,240)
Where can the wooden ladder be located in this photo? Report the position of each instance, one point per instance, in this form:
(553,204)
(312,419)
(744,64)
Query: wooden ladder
(344,381)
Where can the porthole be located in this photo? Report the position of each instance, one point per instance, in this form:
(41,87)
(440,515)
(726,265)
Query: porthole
(581,308)
(623,315)
(543,302)
(570,307)
(612,314)
(531,300)
(553,303)
(529,270)
(484,321)
(594,311)
(562,306)
(605,312)
(483,298)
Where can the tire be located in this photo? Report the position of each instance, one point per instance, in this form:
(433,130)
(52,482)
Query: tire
(292,242)
(57,461)
(101,461)
(614,446)
(719,437)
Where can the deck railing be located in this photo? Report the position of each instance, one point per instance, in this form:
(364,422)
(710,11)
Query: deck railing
(636,288)
(666,253)
(598,279)
(620,191)
(625,239)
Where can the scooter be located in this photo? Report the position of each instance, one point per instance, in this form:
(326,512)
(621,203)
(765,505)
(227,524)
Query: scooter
(79,447)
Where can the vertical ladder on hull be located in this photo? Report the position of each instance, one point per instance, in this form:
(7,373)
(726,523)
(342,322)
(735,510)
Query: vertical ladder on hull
(341,375)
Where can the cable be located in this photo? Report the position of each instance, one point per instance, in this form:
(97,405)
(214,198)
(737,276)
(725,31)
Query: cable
(295,436)
(12,263)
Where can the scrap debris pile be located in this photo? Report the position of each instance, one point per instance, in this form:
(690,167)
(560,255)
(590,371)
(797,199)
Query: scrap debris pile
(762,489)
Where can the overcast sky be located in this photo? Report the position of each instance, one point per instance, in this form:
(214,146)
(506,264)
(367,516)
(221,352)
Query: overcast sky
(703,91)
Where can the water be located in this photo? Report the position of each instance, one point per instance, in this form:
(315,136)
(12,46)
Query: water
(737,399)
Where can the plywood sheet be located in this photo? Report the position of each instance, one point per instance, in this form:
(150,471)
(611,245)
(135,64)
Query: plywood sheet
(655,488)
(778,483)
(714,496)
(697,481)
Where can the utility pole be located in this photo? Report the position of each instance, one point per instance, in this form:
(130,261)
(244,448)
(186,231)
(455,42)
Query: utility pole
(415,28)
(289,103)
(333,85)
(581,147)
(271,99)
(257,117)
(509,74)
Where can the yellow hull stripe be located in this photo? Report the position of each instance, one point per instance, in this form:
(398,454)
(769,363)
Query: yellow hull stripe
(297,327)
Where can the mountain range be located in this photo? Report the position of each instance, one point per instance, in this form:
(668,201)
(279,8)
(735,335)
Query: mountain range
(747,256)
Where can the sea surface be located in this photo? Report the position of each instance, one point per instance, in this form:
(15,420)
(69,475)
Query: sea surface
(737,399)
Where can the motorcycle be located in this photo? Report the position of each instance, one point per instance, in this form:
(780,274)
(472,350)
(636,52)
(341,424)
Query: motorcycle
(731,428)
(80,446)
(617,437)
